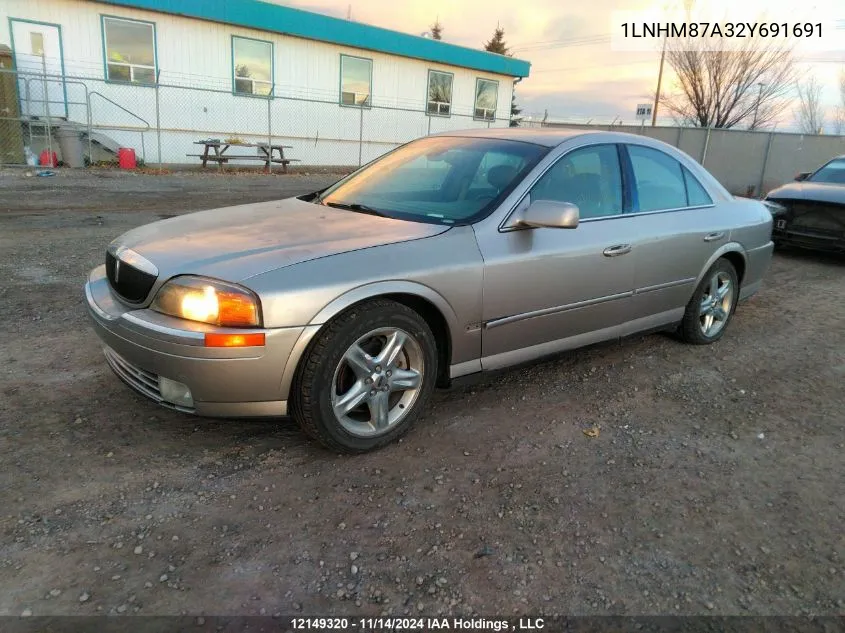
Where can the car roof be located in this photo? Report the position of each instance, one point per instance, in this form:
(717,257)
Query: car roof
(538,136)
(550,137)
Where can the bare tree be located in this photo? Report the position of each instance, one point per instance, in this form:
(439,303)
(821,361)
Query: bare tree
(748,85)
(810,113)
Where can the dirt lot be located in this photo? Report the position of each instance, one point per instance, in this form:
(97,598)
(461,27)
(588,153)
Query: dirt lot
(715,486)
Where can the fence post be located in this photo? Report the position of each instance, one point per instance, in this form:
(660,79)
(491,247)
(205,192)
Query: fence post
(429,127)
(270,133)
(28,106)
(47,109)
(88,123)
(158,118)
(765,165)
(706,145)
(678,140)
(360,134)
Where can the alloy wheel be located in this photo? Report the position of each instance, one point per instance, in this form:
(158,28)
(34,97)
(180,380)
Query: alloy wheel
(377,381)
(716,304)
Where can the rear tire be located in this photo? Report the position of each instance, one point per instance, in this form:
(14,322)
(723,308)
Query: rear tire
(366,377)
(712,305)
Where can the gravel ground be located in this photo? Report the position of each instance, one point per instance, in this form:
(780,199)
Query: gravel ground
(715,485)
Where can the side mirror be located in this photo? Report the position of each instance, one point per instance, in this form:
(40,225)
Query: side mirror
(550,214)
(803,175)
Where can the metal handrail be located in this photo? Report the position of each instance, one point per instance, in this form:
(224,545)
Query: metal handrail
(148,127)
(31,119)
(48,79)
(94,93)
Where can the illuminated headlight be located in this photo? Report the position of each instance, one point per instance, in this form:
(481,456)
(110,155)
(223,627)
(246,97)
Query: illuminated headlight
(208,301)
(175,392)
(774,208)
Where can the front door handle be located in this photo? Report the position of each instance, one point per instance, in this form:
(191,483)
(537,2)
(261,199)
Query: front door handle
(712,237)
(616,251)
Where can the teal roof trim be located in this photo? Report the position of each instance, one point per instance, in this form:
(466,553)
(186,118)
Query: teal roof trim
(276,18)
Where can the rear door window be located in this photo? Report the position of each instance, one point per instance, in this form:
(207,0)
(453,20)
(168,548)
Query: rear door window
(658,178)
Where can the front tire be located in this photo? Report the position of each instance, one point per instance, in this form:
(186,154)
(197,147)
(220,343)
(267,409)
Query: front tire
(364,380)
(712,305)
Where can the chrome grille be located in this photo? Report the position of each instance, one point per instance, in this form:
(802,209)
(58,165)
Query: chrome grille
(127,281)
(141,380)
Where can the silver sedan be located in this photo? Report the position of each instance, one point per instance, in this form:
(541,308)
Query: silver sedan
(451,255)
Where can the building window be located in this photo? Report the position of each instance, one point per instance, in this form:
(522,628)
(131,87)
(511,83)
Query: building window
(356,81)
(486,95)
(130,50)
(252,66)
(439,93)
(36,41)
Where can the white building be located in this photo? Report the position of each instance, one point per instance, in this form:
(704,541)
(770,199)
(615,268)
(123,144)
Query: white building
(337,91)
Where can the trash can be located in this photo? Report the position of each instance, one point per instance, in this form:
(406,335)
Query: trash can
(46,159)
(126,158)
(70,143)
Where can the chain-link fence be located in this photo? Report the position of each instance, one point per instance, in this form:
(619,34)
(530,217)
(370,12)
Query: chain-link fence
(168,122)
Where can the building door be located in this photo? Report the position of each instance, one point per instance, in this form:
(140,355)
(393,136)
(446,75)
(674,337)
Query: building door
(37,48)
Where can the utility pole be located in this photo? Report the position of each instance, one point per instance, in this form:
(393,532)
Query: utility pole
(659,81)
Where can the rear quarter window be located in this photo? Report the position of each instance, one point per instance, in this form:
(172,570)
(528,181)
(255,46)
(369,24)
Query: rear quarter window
(696,194)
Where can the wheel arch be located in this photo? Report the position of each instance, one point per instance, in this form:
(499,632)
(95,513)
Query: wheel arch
(734,253)
(429,304)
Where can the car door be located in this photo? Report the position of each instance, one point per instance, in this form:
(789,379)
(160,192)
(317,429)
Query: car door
(543,287)
(678,227)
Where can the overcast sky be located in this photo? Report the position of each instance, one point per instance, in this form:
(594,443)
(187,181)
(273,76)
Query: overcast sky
(583,80)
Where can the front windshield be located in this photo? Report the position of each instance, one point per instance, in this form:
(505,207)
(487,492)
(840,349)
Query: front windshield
(833,172)
(438,179)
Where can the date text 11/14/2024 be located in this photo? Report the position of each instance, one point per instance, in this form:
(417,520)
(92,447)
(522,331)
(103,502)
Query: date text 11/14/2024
(376,625)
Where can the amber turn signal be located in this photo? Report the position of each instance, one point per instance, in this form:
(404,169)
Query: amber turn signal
(234,340)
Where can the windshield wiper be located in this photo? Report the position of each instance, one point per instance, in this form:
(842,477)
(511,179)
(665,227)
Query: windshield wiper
(355,206)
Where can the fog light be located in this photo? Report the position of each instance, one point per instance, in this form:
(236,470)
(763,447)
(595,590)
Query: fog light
(175,392)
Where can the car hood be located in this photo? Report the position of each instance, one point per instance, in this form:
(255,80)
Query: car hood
(817,191)
(235,243)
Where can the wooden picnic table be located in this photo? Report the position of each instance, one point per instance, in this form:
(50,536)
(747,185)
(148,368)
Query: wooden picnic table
(265,153)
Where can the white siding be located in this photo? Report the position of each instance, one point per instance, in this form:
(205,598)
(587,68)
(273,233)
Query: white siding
(197,54)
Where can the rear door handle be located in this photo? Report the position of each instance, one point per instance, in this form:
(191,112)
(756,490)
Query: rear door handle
(616,251)
(712,237)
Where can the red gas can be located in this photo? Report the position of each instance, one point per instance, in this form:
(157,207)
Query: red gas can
(126,158)
(47,160)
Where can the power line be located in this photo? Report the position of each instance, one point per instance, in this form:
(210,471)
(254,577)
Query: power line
(564,43)
(549,70)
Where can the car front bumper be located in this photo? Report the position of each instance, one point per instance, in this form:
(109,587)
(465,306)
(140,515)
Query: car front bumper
(833,242)
(143,346)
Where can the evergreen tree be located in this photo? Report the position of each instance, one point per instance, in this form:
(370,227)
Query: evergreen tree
(497,42)
(437,30)
(515,110)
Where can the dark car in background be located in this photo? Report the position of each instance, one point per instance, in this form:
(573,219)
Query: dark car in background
(810,212)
